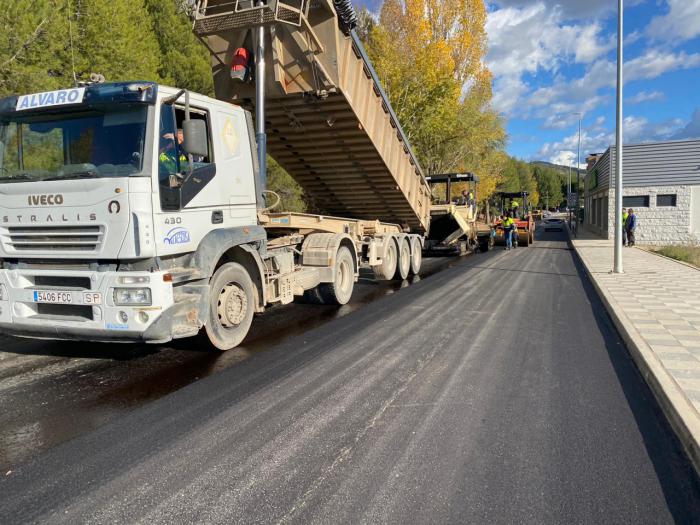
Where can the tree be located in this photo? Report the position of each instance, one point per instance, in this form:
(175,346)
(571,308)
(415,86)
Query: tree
(548,186)
(184,61)
(429,57)
(116,39)
(32,50)
(292,197)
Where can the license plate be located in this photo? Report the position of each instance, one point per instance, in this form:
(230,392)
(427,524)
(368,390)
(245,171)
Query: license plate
(66,297)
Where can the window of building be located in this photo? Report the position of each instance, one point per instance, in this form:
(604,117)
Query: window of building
(666,200)
(635,201)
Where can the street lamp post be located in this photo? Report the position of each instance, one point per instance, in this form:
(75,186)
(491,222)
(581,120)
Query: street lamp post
(568,195)
(618,147)
(578,176)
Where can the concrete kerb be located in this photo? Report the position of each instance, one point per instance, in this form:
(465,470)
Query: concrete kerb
(676,406)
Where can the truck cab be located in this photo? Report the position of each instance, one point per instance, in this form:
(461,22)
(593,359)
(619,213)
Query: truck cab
(103,213)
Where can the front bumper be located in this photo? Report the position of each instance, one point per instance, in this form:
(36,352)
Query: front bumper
(21,315)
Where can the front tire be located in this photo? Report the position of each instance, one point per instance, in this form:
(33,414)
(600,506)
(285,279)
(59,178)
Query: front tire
(231,306)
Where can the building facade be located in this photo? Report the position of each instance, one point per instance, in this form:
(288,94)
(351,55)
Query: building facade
(661,182)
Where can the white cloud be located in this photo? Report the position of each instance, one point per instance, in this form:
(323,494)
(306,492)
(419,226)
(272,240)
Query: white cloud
(595,138)
(507,92)
(533,38)
(566,150)
(682,22)
(554,103)
(572,9)
(656,62)
(692,129)
(646,96)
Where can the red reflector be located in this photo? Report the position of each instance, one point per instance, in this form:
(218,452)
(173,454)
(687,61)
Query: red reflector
(240,65)
(167,277)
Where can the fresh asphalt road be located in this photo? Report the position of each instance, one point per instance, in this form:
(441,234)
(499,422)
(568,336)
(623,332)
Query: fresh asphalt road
(495,391)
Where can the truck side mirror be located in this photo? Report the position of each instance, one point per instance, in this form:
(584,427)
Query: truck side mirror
(194,137)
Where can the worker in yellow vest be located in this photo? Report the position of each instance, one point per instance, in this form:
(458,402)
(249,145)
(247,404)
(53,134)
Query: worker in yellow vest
(508,225)
(624,226)
(514,208)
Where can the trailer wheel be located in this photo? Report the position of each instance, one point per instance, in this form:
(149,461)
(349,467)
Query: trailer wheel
(416,258)
(387,269)
(403,266)
(340,290)
(231,305)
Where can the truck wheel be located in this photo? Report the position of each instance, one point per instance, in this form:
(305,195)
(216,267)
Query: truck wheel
(340,290)
(387,269)
(404,262)
(416,258)
(231,305)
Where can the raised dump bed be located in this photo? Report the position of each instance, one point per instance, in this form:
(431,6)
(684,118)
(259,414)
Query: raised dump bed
(329,122)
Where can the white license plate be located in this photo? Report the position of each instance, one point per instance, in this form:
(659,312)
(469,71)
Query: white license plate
(66,297)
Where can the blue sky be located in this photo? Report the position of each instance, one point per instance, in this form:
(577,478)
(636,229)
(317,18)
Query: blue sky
(553,58)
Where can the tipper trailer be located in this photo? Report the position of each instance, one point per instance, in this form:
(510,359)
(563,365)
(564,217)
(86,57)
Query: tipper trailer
(113,230)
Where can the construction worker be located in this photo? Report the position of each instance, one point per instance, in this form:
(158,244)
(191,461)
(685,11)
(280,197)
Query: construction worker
(631,226)
(168,161)
(514,208)
(508,224)
(624,226)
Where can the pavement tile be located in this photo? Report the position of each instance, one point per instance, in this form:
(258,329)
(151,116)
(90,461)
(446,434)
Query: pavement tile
(663,339)
(674,322)
(663,349)
(683,369)
(689,384)
(695,334)
(687,342)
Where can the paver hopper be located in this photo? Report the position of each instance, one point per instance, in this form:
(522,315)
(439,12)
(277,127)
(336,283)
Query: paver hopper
(453,224)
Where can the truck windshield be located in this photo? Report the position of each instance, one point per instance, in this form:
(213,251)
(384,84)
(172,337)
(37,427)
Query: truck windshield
(88,144)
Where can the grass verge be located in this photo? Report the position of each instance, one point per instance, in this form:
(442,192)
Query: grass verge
(688,254)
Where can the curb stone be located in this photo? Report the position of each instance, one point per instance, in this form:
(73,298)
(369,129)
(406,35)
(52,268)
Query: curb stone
(677,408)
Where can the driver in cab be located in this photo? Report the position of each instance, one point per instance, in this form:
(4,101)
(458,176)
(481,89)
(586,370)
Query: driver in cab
(170,152)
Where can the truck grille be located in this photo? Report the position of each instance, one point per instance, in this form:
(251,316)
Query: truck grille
(55,238)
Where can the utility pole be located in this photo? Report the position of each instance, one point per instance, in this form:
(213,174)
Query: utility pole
(568,195)
(578,177)
(618,147)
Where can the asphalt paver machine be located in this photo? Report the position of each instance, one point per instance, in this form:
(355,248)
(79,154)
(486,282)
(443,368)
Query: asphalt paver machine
(454,228)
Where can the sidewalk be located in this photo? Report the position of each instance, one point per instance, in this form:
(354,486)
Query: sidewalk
(655,305)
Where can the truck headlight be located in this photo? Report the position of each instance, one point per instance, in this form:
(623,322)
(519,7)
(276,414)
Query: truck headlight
(132,296)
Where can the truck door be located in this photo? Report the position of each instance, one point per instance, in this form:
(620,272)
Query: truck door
(235,163)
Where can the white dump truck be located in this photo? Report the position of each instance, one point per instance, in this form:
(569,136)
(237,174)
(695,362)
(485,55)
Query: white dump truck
(133,211)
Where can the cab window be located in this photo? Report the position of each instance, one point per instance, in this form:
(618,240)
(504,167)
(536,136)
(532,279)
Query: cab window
(174,163)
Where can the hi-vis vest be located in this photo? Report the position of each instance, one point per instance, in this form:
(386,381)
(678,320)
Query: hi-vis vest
(507,222)
(168,161)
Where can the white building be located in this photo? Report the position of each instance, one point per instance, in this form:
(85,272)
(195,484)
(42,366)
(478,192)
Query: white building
(661,182)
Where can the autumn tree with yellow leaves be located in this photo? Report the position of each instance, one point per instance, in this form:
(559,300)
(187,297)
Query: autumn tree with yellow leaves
(429,55)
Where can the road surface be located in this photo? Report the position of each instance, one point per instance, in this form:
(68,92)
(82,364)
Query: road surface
(494,391)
